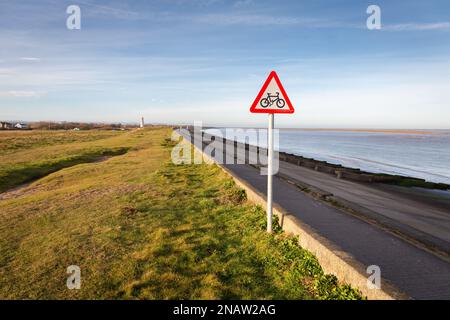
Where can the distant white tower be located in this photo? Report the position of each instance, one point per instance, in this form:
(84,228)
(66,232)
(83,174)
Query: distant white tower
(142,122)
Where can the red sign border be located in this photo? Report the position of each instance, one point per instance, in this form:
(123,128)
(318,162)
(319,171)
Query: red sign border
(272,75)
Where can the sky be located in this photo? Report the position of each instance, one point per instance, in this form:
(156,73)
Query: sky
(182,61)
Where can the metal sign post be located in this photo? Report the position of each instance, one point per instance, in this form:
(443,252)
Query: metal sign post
(269,172)
(271,99)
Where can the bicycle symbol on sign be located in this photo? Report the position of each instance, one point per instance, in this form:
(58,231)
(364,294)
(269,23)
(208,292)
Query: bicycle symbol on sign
(271,99)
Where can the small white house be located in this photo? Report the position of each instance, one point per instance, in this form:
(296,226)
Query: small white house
(21,126)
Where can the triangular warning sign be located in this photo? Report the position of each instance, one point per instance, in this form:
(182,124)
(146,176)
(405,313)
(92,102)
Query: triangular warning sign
(272,98)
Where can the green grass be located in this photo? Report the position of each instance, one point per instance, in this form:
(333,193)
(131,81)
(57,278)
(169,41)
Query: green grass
(12,141)
(28,160)
(142,228)
(411,182)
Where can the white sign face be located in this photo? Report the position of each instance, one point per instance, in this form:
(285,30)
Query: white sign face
(272,98)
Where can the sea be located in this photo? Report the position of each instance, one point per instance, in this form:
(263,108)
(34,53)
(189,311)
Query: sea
(414,153)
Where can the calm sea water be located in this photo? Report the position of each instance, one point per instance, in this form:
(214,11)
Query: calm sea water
(425,156)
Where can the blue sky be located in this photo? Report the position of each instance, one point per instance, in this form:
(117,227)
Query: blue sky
(205,60)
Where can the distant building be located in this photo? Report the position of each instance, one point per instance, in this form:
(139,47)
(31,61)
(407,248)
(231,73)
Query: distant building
(21,126)
(6,125)
(142,122)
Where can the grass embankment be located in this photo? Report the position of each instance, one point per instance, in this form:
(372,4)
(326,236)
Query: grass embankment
(12,141)
(140,227)
(29,155)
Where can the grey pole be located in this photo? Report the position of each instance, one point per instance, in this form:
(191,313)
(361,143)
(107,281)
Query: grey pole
(269,173)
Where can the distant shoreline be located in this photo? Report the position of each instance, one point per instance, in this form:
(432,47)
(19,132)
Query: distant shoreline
(398,131)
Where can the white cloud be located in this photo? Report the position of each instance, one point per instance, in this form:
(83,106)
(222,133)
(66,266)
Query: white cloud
(418,26)
(30,59)
(22,94)
(117,13)
(308,22)
(258,20)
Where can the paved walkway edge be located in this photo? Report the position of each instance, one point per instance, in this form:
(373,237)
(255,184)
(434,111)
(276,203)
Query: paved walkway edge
(332,259)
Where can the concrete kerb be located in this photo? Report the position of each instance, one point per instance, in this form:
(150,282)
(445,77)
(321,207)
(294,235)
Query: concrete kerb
(332,258)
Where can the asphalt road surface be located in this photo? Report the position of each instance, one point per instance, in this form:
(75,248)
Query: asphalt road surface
(409,210)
